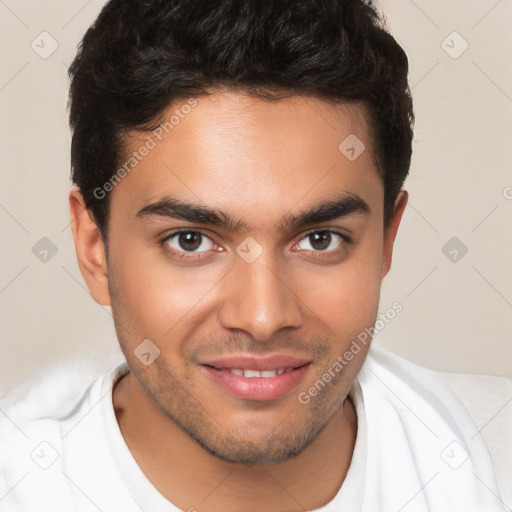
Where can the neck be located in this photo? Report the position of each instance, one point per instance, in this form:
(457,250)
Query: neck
(190,477)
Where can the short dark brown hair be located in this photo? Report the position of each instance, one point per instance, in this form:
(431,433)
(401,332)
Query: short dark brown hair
(141,55)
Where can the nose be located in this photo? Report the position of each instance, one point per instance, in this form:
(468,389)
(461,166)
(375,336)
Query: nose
(260,300)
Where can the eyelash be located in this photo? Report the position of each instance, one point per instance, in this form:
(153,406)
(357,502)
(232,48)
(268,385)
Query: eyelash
(197,255)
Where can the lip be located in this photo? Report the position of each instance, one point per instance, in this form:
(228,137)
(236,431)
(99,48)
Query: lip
(256,388)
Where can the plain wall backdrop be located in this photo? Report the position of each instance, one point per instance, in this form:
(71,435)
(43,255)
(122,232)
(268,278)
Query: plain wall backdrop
(452,260)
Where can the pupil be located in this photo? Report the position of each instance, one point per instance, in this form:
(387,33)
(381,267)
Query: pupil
(186,240)
(320,240)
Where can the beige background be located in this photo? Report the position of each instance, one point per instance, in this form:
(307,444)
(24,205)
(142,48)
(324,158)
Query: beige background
(457,315)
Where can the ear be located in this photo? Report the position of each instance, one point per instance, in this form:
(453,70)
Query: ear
(90,249)
(391,230)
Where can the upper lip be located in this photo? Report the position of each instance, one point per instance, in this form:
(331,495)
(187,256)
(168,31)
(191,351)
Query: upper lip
(272,362)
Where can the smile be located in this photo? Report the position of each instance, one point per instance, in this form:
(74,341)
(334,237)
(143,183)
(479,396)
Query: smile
(259,385)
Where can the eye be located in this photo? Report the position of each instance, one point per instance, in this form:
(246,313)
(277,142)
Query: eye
(323,241)
(188,241)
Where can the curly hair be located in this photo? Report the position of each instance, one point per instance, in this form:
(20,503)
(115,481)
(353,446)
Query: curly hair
(141,55)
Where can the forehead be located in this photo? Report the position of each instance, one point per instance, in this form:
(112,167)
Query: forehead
(233,149)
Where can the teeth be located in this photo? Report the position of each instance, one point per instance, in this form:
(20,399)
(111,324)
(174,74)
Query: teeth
(252,373)
(263,373)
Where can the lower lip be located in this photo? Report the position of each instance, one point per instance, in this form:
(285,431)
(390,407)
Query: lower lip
(256,388)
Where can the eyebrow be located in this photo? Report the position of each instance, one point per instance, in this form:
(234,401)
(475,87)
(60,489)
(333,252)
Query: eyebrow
(333,209)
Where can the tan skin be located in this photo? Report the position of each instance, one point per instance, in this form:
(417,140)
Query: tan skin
(259,162)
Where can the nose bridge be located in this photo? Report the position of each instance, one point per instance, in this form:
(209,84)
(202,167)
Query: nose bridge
(258,299)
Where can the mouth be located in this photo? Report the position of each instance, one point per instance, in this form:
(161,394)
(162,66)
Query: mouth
(257,379)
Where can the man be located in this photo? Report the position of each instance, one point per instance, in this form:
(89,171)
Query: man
(239,170)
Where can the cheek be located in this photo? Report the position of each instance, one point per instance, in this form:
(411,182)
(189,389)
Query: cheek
(346,297)
(156,296)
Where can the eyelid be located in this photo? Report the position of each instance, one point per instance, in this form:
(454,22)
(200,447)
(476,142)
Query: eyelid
(186,254)
(346,239)
(187,230)
(338,231)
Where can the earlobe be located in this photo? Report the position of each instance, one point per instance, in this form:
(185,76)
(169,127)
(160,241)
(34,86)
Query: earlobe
(90,248)
(391,230)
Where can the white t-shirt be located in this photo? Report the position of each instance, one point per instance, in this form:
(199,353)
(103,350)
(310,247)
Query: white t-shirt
(149,499)
(61,448)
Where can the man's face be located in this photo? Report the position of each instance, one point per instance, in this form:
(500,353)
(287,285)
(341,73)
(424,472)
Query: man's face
(221,297)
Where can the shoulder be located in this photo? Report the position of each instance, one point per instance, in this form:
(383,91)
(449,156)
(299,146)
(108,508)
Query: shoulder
(471,390)
(473,410)
(40,421)
(479,395)
(54,393)
(488,400)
